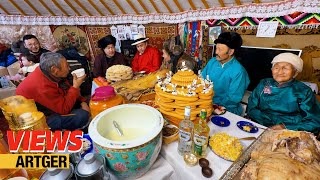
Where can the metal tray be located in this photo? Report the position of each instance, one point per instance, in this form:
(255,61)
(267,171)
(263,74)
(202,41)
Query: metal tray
(238,164)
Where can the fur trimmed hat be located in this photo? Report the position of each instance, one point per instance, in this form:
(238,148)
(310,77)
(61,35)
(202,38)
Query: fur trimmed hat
(105,41)
(232,39)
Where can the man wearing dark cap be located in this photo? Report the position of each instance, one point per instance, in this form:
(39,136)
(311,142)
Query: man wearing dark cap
(229,77)
(108,58)
(147,58)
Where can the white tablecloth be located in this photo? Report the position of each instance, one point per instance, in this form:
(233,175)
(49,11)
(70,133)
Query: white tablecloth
(217,164)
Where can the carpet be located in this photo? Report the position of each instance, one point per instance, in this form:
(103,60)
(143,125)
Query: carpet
(158,33)
(94,33)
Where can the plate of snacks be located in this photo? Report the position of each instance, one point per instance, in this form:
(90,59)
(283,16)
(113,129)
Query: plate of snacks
(150,103)
(225,146)
(220,121)
(170,133)
(218,110)
(87,146)
(247,126)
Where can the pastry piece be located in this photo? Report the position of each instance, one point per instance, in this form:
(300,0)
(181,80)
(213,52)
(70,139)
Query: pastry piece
(163,99)
(119,72)
(165,109)
(176,115)
(194,103)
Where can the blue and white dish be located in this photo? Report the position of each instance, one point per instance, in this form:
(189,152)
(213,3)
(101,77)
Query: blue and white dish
(220,121)
(243,125)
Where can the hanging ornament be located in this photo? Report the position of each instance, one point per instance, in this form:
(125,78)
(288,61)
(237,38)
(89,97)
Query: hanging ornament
(142,30)
(114,31)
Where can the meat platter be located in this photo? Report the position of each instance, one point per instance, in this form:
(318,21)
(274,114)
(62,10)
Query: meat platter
(235,168)
(279,154)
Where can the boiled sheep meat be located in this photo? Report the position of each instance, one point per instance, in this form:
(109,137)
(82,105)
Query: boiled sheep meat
(284,154)
(304,148)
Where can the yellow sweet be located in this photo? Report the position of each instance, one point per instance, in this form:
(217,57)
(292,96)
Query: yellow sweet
(226,146)
(247,128)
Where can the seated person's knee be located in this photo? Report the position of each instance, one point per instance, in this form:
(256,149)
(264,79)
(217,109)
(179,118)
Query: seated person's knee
(81,119)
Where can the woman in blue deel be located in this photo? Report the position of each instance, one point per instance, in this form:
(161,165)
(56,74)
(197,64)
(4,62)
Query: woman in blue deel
(230,79)
(282,101)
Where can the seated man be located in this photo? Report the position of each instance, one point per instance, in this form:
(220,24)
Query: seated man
(108,58)
(147,58)
(230,79)
(54,96)
(284,102)
(33,47)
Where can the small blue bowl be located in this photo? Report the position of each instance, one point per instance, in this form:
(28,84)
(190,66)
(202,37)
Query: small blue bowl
(91,146)
(220,121)
(242,124)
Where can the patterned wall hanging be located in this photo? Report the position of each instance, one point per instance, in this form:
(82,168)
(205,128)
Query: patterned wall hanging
(158,33)
(205,47)
(193,38)
(260,10)
(71,36)
(95,33)
(294,20)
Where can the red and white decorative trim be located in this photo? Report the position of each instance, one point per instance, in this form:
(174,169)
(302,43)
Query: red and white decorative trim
(250,10)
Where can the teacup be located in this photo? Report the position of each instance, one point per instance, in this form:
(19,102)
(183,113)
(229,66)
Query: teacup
(79,72)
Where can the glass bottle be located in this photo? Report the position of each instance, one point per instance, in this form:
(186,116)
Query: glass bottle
(185,133)
(201,135)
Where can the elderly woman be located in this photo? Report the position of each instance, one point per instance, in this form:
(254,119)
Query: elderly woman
(282,101)
(108,58)
(173,56)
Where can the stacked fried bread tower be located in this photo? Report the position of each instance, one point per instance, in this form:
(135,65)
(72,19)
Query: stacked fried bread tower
(119,72)
(183,89)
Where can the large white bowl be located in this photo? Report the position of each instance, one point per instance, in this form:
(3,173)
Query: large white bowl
(141,116)
(132,158)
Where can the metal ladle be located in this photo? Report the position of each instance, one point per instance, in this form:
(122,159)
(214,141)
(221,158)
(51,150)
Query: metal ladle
(116,125)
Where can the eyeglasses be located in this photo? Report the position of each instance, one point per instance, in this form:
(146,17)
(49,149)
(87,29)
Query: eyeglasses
(283,68)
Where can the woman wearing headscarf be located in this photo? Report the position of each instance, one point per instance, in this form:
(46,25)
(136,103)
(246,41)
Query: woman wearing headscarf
(173,56)
(282,101)
(108,58)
